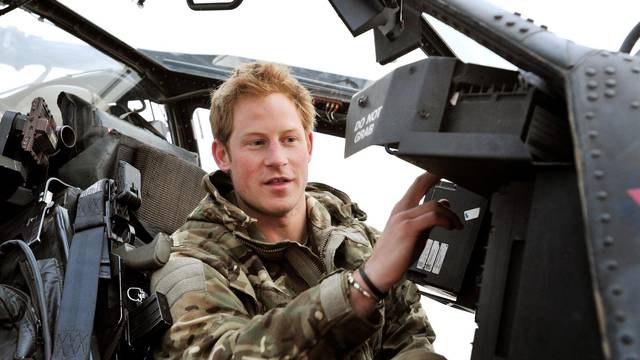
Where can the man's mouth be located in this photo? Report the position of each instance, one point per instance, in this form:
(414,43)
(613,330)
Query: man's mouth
(278,180)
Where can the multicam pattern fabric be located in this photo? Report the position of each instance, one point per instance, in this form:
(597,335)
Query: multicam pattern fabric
(233,295)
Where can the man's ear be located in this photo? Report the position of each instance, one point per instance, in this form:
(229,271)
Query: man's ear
(310,143)
(221,155)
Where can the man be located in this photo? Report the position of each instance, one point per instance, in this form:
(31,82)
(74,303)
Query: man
(265,266)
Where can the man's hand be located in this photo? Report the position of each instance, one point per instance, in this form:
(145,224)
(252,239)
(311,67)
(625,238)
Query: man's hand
(400,242)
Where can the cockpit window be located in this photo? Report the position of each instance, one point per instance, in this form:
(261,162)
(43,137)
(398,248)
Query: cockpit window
(38,59)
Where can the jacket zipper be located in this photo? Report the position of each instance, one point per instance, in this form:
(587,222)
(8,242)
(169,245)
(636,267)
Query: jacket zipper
(316,261)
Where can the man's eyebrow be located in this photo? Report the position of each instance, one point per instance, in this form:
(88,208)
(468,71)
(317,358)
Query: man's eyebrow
(259,133)
(250,134)
(293,130)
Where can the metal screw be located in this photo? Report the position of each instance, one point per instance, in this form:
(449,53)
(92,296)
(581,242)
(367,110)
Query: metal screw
(609,241)
(510,23)
(530,20)
(544,27)
(598,174)
(497,17)
(517,14)
(524,30)
(424,114)
(363,101)
(626,339)
(616,290)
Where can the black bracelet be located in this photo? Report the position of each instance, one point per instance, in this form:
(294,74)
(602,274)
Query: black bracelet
(379,294)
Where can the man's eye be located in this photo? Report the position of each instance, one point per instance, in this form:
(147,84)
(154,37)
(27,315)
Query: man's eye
(257,142)
(290,139)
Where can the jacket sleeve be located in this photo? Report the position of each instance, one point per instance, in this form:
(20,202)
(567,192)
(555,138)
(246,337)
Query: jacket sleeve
(214,316)
(407,333)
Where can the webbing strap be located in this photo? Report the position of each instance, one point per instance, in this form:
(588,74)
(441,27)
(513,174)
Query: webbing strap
(78,305)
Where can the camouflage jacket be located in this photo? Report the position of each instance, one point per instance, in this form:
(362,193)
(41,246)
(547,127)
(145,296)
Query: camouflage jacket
(233,295)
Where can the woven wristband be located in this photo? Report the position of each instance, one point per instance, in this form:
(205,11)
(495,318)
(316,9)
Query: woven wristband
(379,294)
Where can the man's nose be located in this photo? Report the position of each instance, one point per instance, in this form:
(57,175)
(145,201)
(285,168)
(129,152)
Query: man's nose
(276,155)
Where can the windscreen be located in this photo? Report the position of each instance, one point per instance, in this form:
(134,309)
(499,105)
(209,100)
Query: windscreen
(38,59)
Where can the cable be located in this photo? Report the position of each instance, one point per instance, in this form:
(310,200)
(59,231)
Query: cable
(631,39)
(44,315)
(48,204)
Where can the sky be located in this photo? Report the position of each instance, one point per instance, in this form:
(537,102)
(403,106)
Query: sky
(310,34)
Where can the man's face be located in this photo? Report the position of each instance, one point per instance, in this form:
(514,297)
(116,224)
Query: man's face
(268,155)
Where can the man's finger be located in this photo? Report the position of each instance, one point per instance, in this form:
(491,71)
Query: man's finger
(432,207)
(442,217)
(417,190)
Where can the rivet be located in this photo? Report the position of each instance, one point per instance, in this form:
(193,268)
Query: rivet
(412,69)
(530,20)
(593,134)
(424,114)
(592,84)
(523,30)
(595,153)
(612,265)
(605,218)
(590,115)
(620,317)
(497,17)
(363,100)
(592,96)
(616,290)
(517,14)
(545,27)
(591,71)
(510,23)
(604,54)
(610,70)
(635,104)
(602,195)
(627,58)
(626,339)
(598,174)
(635,69)
(611,82)
(609,93)
(609,240)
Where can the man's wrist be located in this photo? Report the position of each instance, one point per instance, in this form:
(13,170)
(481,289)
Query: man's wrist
(361,304)
(370,284)
(378,275)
